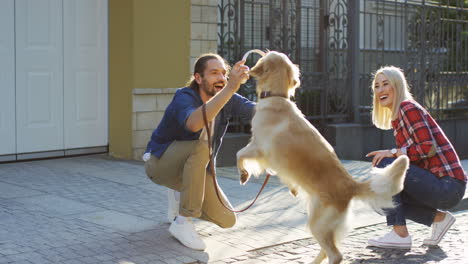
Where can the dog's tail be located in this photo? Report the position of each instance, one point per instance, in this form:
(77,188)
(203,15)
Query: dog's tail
(383,184)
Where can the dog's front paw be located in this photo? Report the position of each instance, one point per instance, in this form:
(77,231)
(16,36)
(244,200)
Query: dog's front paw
(244,176)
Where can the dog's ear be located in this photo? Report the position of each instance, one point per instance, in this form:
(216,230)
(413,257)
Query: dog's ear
(257,70)
(293,75)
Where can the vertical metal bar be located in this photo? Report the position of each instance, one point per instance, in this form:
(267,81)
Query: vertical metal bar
(395,17)
(323,15)
(423,69)
(354,58)
(439,87)
(221,28)
(364,33)
(284,27)
(298,31)
(271,38)
(252,26)
(241,22)
(262,26)
(229,30)
(323,63)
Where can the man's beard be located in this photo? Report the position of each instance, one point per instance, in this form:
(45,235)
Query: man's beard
(208,89)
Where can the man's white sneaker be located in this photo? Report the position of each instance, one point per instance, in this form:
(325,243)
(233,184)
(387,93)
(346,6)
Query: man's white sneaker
(391,240)
(172,205)
(439,229)
(186,234)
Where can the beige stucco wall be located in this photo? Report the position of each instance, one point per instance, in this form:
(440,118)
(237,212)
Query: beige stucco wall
(149,48)
(120,77)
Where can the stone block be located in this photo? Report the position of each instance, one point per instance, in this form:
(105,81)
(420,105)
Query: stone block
(141,138)
(209,14)
(198,2)
(212,32)
(196,13)
(144,103)
(205,47)
(212,45)
(195,50)
(162,101)
(138,153)
(148,120)
(199,31)
(212,2)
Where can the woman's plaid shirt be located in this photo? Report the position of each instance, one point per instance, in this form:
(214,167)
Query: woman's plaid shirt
(416,130)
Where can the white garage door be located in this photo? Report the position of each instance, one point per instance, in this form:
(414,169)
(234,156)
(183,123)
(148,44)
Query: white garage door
(59,81)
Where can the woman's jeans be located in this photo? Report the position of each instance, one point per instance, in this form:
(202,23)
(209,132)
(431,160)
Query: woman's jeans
(423,193)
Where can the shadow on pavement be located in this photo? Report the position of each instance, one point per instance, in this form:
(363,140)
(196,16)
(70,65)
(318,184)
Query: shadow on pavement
(402,256)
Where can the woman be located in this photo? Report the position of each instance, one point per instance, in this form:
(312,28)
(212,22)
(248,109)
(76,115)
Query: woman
(435,180)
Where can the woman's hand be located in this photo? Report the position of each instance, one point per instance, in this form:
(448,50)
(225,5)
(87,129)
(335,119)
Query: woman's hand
(379,155)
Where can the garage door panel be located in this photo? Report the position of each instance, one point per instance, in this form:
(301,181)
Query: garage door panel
(85,73)
(87,97)
(39,93)
(39,75)
(7,78)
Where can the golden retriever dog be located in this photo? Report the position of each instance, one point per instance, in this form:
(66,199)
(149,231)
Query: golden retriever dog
(285,143)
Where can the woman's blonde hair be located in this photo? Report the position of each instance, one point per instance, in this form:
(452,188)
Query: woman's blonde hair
(382,116)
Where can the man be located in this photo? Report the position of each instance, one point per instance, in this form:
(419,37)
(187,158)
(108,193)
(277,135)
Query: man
(179,147)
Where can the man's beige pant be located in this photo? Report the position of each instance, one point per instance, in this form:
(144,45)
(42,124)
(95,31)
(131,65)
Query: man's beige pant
(182,167)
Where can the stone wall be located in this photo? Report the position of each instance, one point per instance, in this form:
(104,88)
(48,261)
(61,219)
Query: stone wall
(148,109)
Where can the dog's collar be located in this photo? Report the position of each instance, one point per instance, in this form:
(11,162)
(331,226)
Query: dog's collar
(266,94)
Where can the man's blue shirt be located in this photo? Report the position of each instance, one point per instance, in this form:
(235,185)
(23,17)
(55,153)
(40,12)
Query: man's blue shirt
(185,102)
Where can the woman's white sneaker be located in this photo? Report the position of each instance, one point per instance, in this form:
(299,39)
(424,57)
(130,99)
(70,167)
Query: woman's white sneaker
(186,234)
(391,240)
(439,229)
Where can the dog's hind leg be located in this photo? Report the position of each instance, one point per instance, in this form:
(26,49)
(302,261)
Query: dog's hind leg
(326,238)
(249,161)
(324,223)
(321,256)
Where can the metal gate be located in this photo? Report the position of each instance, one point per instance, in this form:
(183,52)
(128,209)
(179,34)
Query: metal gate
(339,43)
